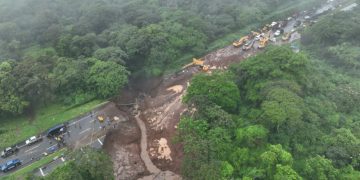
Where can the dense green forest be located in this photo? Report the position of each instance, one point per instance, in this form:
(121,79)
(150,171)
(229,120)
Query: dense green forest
(280,115)
(72,51)
(87,164)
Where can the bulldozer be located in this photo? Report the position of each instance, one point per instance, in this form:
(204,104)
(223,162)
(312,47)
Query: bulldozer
(263,42)
(197,62)
(241,41)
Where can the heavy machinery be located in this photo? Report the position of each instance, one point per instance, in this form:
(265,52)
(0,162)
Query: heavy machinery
(263,42)
(266,28)
(248,45)
(286,36)
(199,63)
(254,33)
(241,41)
(101,118)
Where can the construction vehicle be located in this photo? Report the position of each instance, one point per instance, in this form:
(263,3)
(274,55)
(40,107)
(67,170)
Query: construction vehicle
(254,33)
(286,36)
(101,118)
(199,63)
(266,28)
(248,45)
(241,41)
(263,42)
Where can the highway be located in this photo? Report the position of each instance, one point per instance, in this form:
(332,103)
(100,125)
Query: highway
(82,131)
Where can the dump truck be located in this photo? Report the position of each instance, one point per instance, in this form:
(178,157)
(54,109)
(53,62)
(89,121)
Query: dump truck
(197,62)
(241,41)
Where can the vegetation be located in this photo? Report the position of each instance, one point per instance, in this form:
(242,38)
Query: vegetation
(16,129)
(286,122)
(73,52)
(84,164)
(278,115)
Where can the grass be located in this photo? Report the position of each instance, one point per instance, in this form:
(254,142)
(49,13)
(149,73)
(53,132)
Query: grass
(14,130)
(22,173)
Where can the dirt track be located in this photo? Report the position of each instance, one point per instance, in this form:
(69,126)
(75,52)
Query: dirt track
(143,144)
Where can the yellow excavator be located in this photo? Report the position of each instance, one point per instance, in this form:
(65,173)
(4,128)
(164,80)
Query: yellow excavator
(199,63)
(263,42)
(241,41)
(266,28)
(254,33)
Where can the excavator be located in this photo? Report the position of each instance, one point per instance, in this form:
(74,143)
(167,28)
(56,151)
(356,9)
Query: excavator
(248,45)
(241,41)
(254,33)
(263,42)
(199,63)
(266,28)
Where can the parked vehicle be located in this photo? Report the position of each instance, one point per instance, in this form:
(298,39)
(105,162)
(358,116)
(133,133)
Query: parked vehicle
(10,165)
(32,140)
(51,150)
(9,151)
(59,129)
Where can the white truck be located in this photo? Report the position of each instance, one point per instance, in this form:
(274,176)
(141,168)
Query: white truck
(32,140)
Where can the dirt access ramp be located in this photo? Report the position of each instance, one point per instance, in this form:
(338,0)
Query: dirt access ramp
(161,110)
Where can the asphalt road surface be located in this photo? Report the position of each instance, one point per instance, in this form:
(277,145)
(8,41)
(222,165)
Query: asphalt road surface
(48,168)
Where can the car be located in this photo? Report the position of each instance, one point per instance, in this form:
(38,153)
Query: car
(307,17)
(9,151)
(32,140)
(289,18)
(51,150)
(54,131)
(277,33)
(10,165)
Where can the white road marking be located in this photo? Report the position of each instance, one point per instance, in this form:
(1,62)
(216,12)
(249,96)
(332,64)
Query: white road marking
(32,148)
(88,129)
(62,159)
(100,141)
(41,171)
(81,119)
